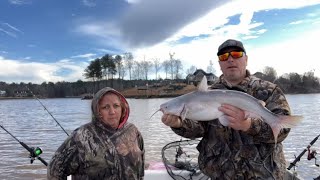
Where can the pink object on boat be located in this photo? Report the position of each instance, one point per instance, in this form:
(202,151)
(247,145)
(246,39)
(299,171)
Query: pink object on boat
(159,166)
(156,166)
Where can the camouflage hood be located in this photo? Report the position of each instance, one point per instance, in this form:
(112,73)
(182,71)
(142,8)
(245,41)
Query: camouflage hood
(124,105)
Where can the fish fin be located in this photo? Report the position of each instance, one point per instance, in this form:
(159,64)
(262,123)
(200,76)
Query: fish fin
(289,121)
(262,103)
(224,120)
(203,86)
(284,122)
(276,130)
(248,114)
(184,112)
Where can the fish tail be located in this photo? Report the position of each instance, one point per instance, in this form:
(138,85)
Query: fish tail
(284,122)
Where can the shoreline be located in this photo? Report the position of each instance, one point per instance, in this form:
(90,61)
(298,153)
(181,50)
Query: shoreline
(134,95)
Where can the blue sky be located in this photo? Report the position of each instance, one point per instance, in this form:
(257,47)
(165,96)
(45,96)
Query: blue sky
(55,40)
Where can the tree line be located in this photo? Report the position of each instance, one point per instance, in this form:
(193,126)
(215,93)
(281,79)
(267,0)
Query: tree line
(292,82)
(112,66)
(111,70)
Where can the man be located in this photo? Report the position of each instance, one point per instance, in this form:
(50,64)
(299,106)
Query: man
(245,149)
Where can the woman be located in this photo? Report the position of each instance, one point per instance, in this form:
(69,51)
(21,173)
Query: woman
(106,148)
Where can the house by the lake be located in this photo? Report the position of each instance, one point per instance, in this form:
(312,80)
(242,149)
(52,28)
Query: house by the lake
(3,93)
(196,77)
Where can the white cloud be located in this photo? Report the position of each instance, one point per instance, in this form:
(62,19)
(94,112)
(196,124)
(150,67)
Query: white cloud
(105,33)
(284,56)
(10,30)
(12,27)
(132,1)
(152,21)
(31,45)
(295,55)
(21,71)
(8,33)
(20,2)
(296,22)
(107,51)
(87,56)
(98,29)
(89,3)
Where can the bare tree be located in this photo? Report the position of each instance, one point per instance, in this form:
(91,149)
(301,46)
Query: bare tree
(191,70)
(137,70)
(118,63)
(310,80)
(171,64)
(146,66)
(295,77)
(129,62)
(123,73)
(177,66)
(270,73)
(157,66)
(210,68)
(166,66)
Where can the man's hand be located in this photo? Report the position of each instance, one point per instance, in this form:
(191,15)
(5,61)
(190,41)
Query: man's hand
(171,120)
(236,117)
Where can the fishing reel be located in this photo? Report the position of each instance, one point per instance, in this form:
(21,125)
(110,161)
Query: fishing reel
(180,152)
(34,153)
(312,155)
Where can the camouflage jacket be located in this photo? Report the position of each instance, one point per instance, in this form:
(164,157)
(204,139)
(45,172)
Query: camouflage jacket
(97,151)
(109,155)
(225,153)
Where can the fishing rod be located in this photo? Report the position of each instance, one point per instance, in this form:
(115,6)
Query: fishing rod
(34,152)
(35,97)
(303,152)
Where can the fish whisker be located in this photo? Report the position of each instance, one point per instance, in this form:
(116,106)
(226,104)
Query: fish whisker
(154,113)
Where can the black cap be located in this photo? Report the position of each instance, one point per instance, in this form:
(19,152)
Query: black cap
(230,43)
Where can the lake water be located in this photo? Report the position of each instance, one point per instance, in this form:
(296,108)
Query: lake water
(30,123)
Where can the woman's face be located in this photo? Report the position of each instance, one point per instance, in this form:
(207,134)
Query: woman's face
(110,110)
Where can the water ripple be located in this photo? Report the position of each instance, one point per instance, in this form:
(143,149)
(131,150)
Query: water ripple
(30,123)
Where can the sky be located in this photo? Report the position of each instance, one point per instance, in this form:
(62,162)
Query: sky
(55,40)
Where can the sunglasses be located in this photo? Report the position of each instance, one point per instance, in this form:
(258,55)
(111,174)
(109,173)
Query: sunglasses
(234,54)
